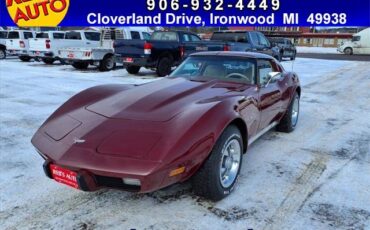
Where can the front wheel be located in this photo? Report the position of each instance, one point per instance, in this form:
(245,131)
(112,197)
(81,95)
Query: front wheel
(80,65)
(217,177)
(292,58)
(348,51)
(25,58)
(2,54)
(290,119)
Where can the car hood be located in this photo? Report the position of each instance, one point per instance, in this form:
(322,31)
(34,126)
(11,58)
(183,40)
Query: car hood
(159,100)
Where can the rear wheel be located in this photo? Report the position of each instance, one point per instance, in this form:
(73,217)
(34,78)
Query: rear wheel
(80,65)
(24,58)
(164,66)
(107,64)
(217,177)
(48,61)
(131,69)
(348,51)
(2,54)
(290,119)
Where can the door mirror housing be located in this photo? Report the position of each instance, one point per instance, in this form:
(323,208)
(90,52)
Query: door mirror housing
(272,76)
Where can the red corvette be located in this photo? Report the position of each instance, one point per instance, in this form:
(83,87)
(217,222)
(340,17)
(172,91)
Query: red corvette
(195,123)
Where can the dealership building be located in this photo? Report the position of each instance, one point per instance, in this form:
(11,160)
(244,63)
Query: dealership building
(306,36)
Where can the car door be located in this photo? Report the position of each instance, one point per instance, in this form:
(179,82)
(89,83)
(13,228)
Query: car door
(269,93)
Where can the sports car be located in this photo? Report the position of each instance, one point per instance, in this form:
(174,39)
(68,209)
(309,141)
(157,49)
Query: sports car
(194,124)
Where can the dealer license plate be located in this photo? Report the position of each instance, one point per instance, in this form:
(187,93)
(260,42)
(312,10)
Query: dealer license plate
(128,60)
(64,176)
(201,48)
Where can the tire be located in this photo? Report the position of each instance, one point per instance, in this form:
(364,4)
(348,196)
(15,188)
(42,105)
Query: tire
(80,65)
(2,54)
(48,61)
(208,182)
(348,51)
(131,69)
(24,58)
(164,66)
(107,64)
(293,57)
(290,119)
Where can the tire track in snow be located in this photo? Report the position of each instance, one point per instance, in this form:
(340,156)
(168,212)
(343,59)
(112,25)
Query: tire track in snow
(302,187)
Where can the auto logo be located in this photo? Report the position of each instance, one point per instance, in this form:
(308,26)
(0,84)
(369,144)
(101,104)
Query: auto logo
(78,141)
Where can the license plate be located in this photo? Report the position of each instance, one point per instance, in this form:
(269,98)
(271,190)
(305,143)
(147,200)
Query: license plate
(64,176)
(37,52)
(70,55)
(201,48)
(128,59)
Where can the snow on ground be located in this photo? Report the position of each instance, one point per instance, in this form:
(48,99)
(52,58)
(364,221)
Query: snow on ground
(317,177)
(321,50)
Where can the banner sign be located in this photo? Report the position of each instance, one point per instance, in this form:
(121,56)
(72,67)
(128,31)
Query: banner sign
(185,13)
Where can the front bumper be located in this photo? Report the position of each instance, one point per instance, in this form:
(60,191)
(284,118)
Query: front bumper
(91,182)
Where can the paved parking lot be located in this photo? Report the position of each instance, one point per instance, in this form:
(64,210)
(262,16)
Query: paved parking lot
(317,177)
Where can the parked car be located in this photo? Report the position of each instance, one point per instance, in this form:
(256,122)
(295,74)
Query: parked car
(46,44)
(3,37)
(103,54)
(287,48)
(360,44)
(196,123)
(73,41)
(247,41)
(17,43)
(164,50)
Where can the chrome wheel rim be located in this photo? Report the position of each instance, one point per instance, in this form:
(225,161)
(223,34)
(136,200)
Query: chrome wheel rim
(295,111)
(230,162)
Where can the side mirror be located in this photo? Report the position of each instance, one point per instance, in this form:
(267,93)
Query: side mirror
(272,76)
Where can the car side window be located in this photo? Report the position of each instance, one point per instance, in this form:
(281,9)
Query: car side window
(186,37)
(264,68)
(263,41)
(146,36)
(58,35)
(73,35)
(254,37)
(194,38)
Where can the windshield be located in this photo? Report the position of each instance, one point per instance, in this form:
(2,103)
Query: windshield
(205,68)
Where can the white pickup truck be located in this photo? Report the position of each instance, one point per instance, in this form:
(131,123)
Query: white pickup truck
(3,37)
(46,45)
(102,55)
(17,43)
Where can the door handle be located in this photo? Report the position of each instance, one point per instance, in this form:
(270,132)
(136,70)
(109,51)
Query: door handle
(88,43)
